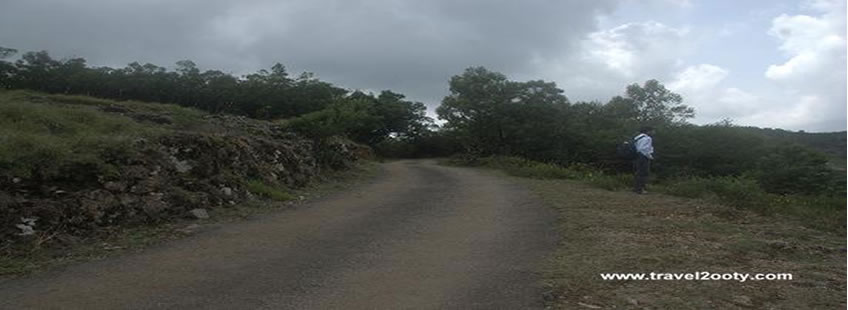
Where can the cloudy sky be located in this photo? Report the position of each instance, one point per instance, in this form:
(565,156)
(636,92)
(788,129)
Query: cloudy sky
(767,63)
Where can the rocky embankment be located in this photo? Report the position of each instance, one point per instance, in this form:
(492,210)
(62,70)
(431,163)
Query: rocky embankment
(190,162)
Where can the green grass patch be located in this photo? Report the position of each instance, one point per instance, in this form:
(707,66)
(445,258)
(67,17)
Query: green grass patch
(178,117)
(268,191)
(818,211)
(521,167)
(822,211)
(611,182)
(47,141)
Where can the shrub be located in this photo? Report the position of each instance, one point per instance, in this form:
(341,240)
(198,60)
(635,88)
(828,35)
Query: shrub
(740,192)
(797,170)
(521,167)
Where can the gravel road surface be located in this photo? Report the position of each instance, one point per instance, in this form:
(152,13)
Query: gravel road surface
(417,236)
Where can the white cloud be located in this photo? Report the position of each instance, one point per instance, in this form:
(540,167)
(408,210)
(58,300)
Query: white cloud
(701,88)
(632,48)
(741,101)
(694,79)
(608,60)
(795,116)
(592,49)
(812,43)
(813,77)
(804,92)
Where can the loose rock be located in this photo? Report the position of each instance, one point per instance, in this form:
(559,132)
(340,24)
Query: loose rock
(199,213)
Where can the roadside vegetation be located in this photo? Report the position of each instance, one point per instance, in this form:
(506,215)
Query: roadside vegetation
(531,129)
(83,148)
(821,211)
(86,149)
(723,199)
(619,232)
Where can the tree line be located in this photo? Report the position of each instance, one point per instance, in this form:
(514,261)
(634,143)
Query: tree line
(491,115)
(484,114)
(317,108)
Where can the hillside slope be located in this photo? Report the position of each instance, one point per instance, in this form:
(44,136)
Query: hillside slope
(833,144)
(72,165)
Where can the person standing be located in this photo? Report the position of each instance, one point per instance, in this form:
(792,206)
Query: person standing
(644,155)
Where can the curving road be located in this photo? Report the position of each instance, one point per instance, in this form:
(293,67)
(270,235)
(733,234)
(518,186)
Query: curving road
(418,236)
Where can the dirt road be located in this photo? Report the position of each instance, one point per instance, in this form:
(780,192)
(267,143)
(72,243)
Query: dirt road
(418,236)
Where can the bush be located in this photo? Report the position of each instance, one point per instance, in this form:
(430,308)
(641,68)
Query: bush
(690,151)
(740,192)
(819,211)
(521,167)
(822,211)
(797,170)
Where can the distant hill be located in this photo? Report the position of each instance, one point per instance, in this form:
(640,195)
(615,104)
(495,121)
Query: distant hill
(832,144)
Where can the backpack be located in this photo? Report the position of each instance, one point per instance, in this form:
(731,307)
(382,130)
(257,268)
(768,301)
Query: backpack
(627,149)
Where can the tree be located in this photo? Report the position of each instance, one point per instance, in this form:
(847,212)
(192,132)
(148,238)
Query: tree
(267,94)
(7,69)
(35,70)
(497,116)
(366,119)
(656,105)
(6,52)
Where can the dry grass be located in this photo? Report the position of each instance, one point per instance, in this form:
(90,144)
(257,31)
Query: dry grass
(606,232)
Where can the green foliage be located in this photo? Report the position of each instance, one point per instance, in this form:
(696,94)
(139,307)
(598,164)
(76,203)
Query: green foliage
(41,141)
(264,95)
(794,169)
(740,192)
(821,210)
(522,167)
(689,150)
(268,191)
(365,119)
(527,168)
(350,116)
(493,115)
(655,105)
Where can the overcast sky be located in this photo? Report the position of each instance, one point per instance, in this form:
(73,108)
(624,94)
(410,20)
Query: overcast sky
(764,63)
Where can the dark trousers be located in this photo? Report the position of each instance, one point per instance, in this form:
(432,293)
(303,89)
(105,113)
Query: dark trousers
(642,166)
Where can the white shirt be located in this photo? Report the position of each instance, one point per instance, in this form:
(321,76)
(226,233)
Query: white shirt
(645,145)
